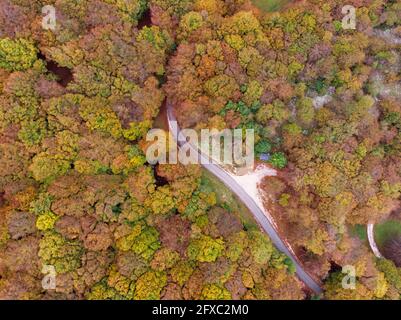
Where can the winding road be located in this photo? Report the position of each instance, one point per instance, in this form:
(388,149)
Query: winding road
(250,203)
(372,242)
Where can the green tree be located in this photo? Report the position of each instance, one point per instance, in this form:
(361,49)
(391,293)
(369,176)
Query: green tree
(391,272)
(205,249)
(17,55)
(260,246)
(278,160)
(64,255)
(215,292)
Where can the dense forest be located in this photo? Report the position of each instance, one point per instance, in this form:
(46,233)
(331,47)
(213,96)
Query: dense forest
(76,103)
(77,193)
(325,105)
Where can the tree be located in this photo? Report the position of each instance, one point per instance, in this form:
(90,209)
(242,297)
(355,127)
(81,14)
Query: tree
(161,201)
(63,254)
(305,111)
(17,55)
(391,272)
(205,249)
(215,292)
(46,221)
(221,86)
(263,146)
(190,22)
(77,102)
(335,291)
(19,263)
(175,233)
(278,160)
(141,183)
(101,291)
(235,245)
(20,224)
(260,246)
(133,10)
(227,223)
(99,239)
(94,267)
(150,285)
(45,168)
(181,272)
(164,259)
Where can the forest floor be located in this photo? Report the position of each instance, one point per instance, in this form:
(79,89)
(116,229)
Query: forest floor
(383,231)
(387,230)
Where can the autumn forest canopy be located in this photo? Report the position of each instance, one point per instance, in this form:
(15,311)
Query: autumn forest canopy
(77,193)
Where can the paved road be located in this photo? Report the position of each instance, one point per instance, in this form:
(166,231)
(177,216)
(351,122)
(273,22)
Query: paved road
(259,215)
(372,242)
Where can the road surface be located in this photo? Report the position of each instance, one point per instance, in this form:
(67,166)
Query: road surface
(372,242)
(257,212)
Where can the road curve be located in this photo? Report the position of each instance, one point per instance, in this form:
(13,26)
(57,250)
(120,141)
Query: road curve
(258,214)
(372,242)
